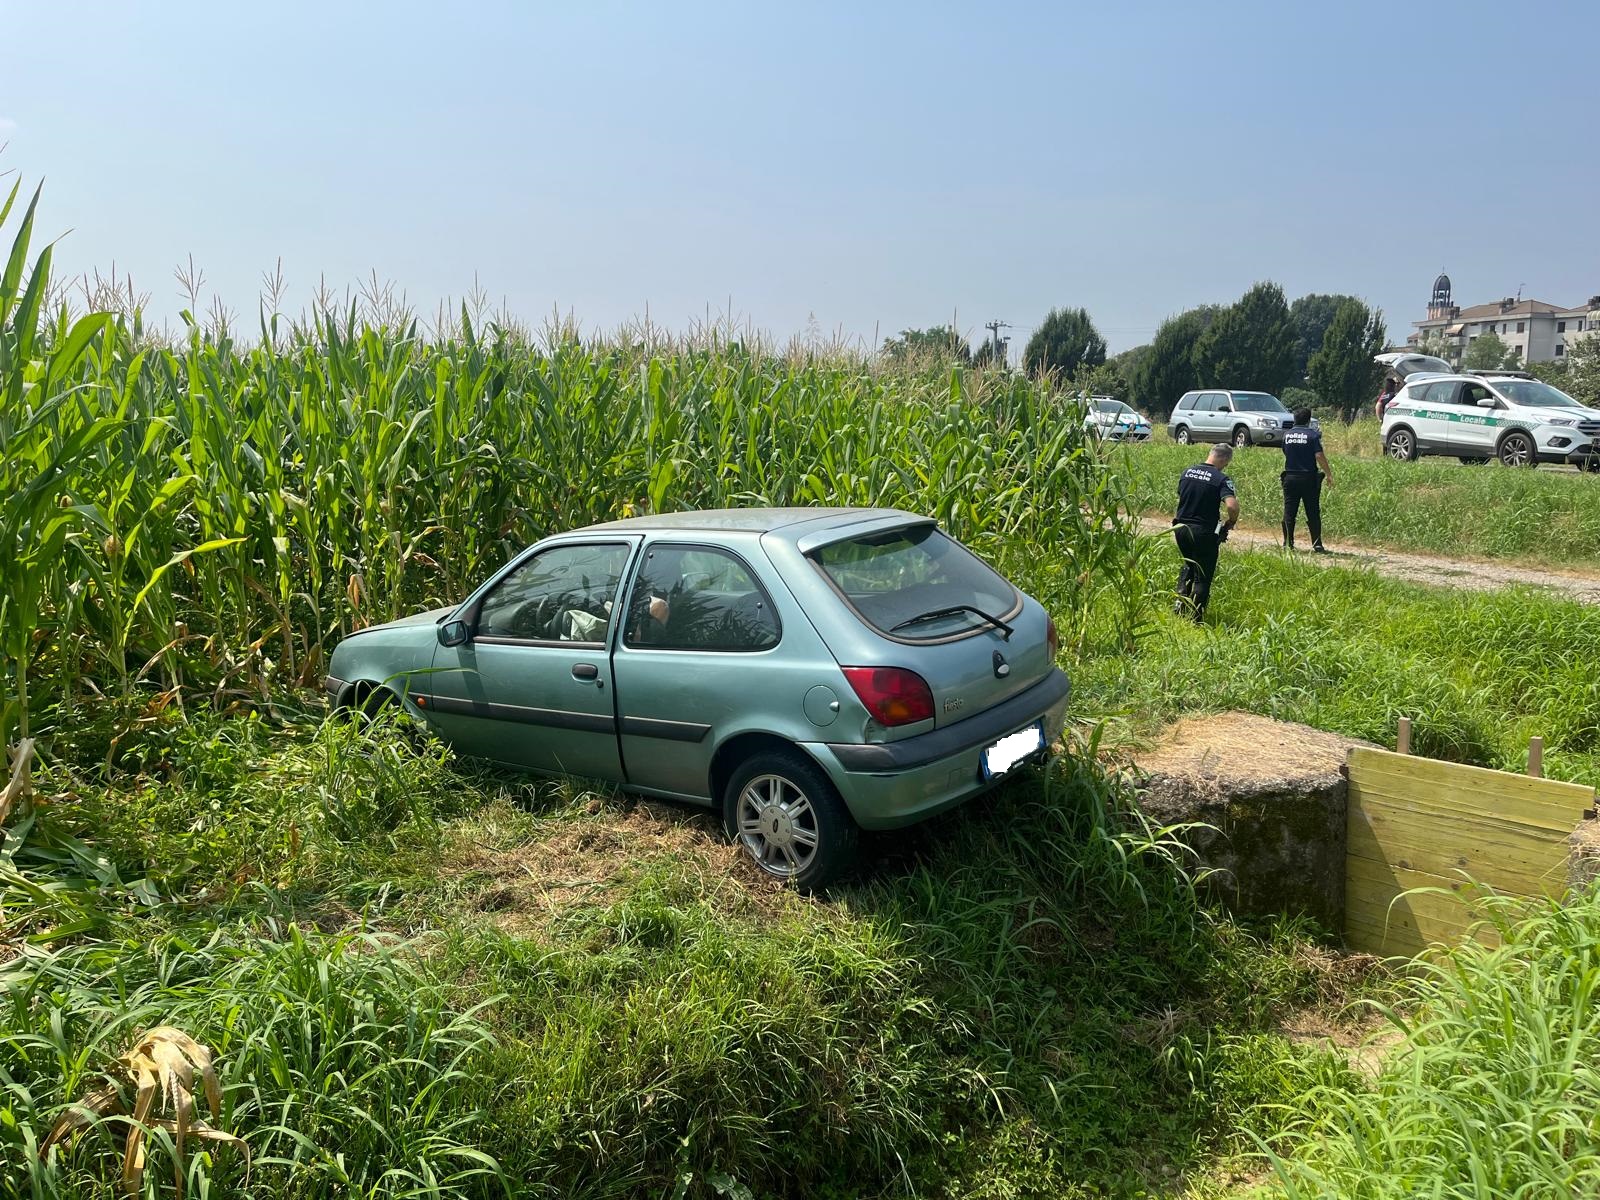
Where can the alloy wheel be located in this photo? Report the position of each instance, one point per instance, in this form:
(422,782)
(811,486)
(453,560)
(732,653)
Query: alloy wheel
(777,825)
(1516,451)
(1182,435)
(1241,437)
(1400,446)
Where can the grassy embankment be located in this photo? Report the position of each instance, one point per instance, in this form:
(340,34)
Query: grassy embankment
(1350,651)
(1433,506)
(427,980)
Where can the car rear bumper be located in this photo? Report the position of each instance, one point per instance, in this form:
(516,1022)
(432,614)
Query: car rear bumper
(889,784)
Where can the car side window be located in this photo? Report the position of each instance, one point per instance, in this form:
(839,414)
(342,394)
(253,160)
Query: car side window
(1217,402)
(564,594)
(1443,392)
(698,598)
(1474,392)
(1187,403)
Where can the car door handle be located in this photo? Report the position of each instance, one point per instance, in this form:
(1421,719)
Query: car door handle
(585,671)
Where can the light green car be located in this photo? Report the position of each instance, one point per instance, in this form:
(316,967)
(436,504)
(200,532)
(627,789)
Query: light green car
(809,672)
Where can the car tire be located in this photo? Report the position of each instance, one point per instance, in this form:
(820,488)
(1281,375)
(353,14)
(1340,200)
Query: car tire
(777,802)
(1591,464)
(1181,435)
(369,699)
(1471,462)
(1401,445)
(1241,436)
(1517,450)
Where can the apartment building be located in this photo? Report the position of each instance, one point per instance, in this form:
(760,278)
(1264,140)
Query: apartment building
(1534,330)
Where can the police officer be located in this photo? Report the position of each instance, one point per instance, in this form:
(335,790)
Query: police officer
(1203,492)
(1302,481)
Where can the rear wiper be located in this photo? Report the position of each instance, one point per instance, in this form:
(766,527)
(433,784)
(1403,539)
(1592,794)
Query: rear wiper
(935,614)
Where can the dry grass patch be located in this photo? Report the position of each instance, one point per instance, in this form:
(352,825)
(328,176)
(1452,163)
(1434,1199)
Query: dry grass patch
(521,873)
(1241,747)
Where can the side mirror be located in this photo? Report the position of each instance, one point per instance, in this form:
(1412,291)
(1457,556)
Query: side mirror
(1485,403)
(454,633)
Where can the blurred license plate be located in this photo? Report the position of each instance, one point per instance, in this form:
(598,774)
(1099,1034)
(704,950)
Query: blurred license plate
(1012,749)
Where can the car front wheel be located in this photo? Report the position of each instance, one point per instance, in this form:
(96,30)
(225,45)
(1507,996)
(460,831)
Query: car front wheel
(1182,435)
(1516,450)
(1241,436)
(1401,446)
(786,815)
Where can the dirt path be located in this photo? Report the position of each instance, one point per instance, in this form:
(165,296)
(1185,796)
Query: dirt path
(1426,568)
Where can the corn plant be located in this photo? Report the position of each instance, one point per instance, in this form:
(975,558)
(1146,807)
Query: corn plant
(199,520)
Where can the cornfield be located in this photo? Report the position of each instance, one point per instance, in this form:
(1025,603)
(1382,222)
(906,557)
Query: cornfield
(196,520)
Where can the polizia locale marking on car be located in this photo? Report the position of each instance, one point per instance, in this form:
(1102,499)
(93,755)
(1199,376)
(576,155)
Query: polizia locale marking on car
(808,672)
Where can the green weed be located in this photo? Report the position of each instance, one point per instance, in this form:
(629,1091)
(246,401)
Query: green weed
(1492,1091)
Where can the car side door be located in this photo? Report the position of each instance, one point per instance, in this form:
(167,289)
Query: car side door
(1217,417)
(531,685)
(1435,414)
(1183,413)
(698,652)
(1472,434)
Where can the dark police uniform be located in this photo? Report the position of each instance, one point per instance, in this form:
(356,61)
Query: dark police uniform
(1197,526)
(1302,483)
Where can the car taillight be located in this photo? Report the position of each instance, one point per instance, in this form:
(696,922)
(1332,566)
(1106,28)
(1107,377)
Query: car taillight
(893,695)
(1051,637)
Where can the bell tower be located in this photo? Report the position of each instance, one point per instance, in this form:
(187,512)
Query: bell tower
(1440,306)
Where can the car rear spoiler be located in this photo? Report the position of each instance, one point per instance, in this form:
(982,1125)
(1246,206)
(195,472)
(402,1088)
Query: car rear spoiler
(868,525)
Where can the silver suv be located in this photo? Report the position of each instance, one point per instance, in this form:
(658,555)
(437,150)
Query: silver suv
(1243,418)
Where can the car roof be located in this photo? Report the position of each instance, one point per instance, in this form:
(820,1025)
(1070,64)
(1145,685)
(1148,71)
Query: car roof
(1456,377)
(755,520)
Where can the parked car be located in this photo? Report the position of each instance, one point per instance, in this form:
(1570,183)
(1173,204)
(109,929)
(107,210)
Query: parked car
(1476,416)
(807,672)
(1243,418)
(1115,421)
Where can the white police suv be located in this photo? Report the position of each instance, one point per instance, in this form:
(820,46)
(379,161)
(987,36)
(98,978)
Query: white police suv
(1476,416)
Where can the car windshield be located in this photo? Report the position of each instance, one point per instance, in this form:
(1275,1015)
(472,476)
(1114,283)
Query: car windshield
(1533,394)
(1114,406)
(895,577)
(1256,402)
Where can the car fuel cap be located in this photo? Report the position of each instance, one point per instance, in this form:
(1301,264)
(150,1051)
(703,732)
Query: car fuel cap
(821,705)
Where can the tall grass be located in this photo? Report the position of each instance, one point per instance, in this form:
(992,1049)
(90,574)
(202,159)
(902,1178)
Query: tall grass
(1352,652)
(343,1065)
(1012,999)
(1492,1091)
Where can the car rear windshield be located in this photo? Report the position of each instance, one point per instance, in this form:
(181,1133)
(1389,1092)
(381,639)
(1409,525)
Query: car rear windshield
(1256,402)
(1420,364)
(897,581)
(1534,394)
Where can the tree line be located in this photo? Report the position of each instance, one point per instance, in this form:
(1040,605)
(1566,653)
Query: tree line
(1321,345)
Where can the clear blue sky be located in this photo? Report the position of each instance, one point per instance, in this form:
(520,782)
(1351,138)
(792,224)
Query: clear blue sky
(872,165)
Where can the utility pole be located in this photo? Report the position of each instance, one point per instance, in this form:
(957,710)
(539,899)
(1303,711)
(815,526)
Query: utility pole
(994,328)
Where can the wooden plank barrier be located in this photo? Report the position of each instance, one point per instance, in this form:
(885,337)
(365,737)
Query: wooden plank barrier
(1422,823)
